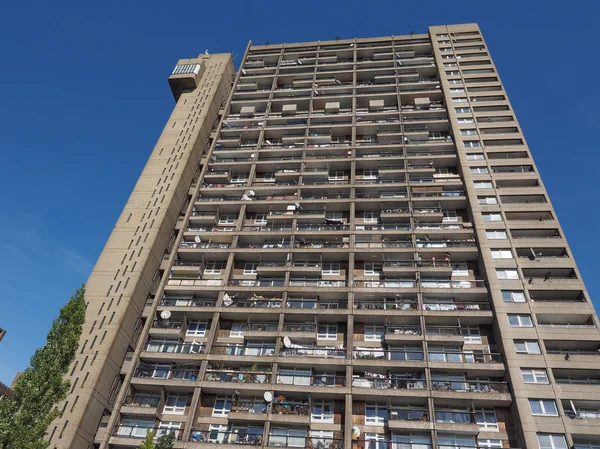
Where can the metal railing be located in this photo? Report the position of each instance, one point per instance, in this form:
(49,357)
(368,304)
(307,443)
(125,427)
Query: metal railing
(142,400)
(316,283)
(297,303)
(452,284)
(175,348)
(455,416)
(470,386)
(167,324)
(313,352)
(237,376)
(316,380)
(463,357)
(391,283)
(457,306)
(305,442)
(221,437)
(248,406)
(187,302)
(385,305)
(407,414)
(387,354)
(394,329)
(164,373)
(299,327)
(394,383)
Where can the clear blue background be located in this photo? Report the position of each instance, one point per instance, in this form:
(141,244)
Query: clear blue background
(84,96)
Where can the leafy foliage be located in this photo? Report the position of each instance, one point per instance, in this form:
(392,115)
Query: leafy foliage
(25,417)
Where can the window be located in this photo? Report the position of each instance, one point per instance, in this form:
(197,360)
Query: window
(483,184)
(450,64)
(488,444)
(443,35)
(487,200)
(527,347)
(371,217)
(213,268)
(237,330)
(260,348)
(135,427)
(460,269)
(552,441)
(376,441)
(327,332)
(287,437)
(167,427)
(515,320)
(376,414)
(175,404)
(294,376)
(372,269)
(472,143)
(217,433)
(510,296)
(197,329)
(250,268)
(479,171)
(446,49)
(471,334)
(459,100)
(238,177)
(336,175)
(455,81)
(496,235)
(507,274)
(449,441)
(331,269)
(534,376)
(447,56)
(450,215)
(369,174)
(468,132)
(269,177)
(334,216)
(462,110)
(260,219)
(374,332)
(486,419)
(501,254)
(322,411)
(456,90)
(227,219)
(544,407)
(321,438)
(464,121)
(491,217)
(475,156)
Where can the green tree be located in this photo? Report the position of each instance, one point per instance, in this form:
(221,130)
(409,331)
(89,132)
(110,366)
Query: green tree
(25,417)
(165,441)
(149,441)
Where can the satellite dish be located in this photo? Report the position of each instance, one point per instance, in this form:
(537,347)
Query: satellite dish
(287,342)
(197,239)
(251,192)
(165,314)
(532,256)
(268,396)
(355,433)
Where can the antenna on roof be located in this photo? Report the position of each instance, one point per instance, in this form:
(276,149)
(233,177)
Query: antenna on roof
(206,51)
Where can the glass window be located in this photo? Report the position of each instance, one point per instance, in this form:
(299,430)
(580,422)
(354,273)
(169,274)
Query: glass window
(486,419)
(222,406)
(452,72)
(491,216)
(496,235)
(372,269)
(552,441)
(483,185)
(501,254)
(527,347)
(197,328)
(227,219)
(507,274)
(465,121)
(479,171)
(374,332)
(475,156)
(546,407)
(450,215)
(371,217)
(322,411)
(331,269)
(460,269)
(213,268)
(472,143)
(534,376)
(175,404)
(462,110)
(376,414)
(336,175)
(450,64)
(327,332)
(237,330)
(455,81)
(484,200)
(468,132)
(250,268)
(515,320)
(456,90)
(510,296)
(489,444)
(369,174)
(334,216)
(459,100)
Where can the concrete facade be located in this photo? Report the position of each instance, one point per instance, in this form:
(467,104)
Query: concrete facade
(350,248)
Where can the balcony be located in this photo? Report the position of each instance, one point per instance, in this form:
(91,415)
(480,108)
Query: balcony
(464,357)
(238,376)
(315,380)
(374,354)
(163,372)
(318,352)
(374,381)
(225,438)
(305,442)
(386,304)
(469,386)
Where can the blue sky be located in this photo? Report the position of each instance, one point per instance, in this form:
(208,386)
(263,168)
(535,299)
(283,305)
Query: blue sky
(84,96)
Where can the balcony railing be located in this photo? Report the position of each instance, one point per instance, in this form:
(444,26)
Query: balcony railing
(141,432)
(394,383)
(464,357)
(299,327)
(407,414)
(220,437)
(452,284)
(142,400)
(386,305)
(164,373)
(313,352)
(175,348)
(238,376)
(387,354)
(476,386)
(391,283)
(188,302)
(315,380)
(455,416)
(316,283)
(248,406)
(305,442)
(457,306)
